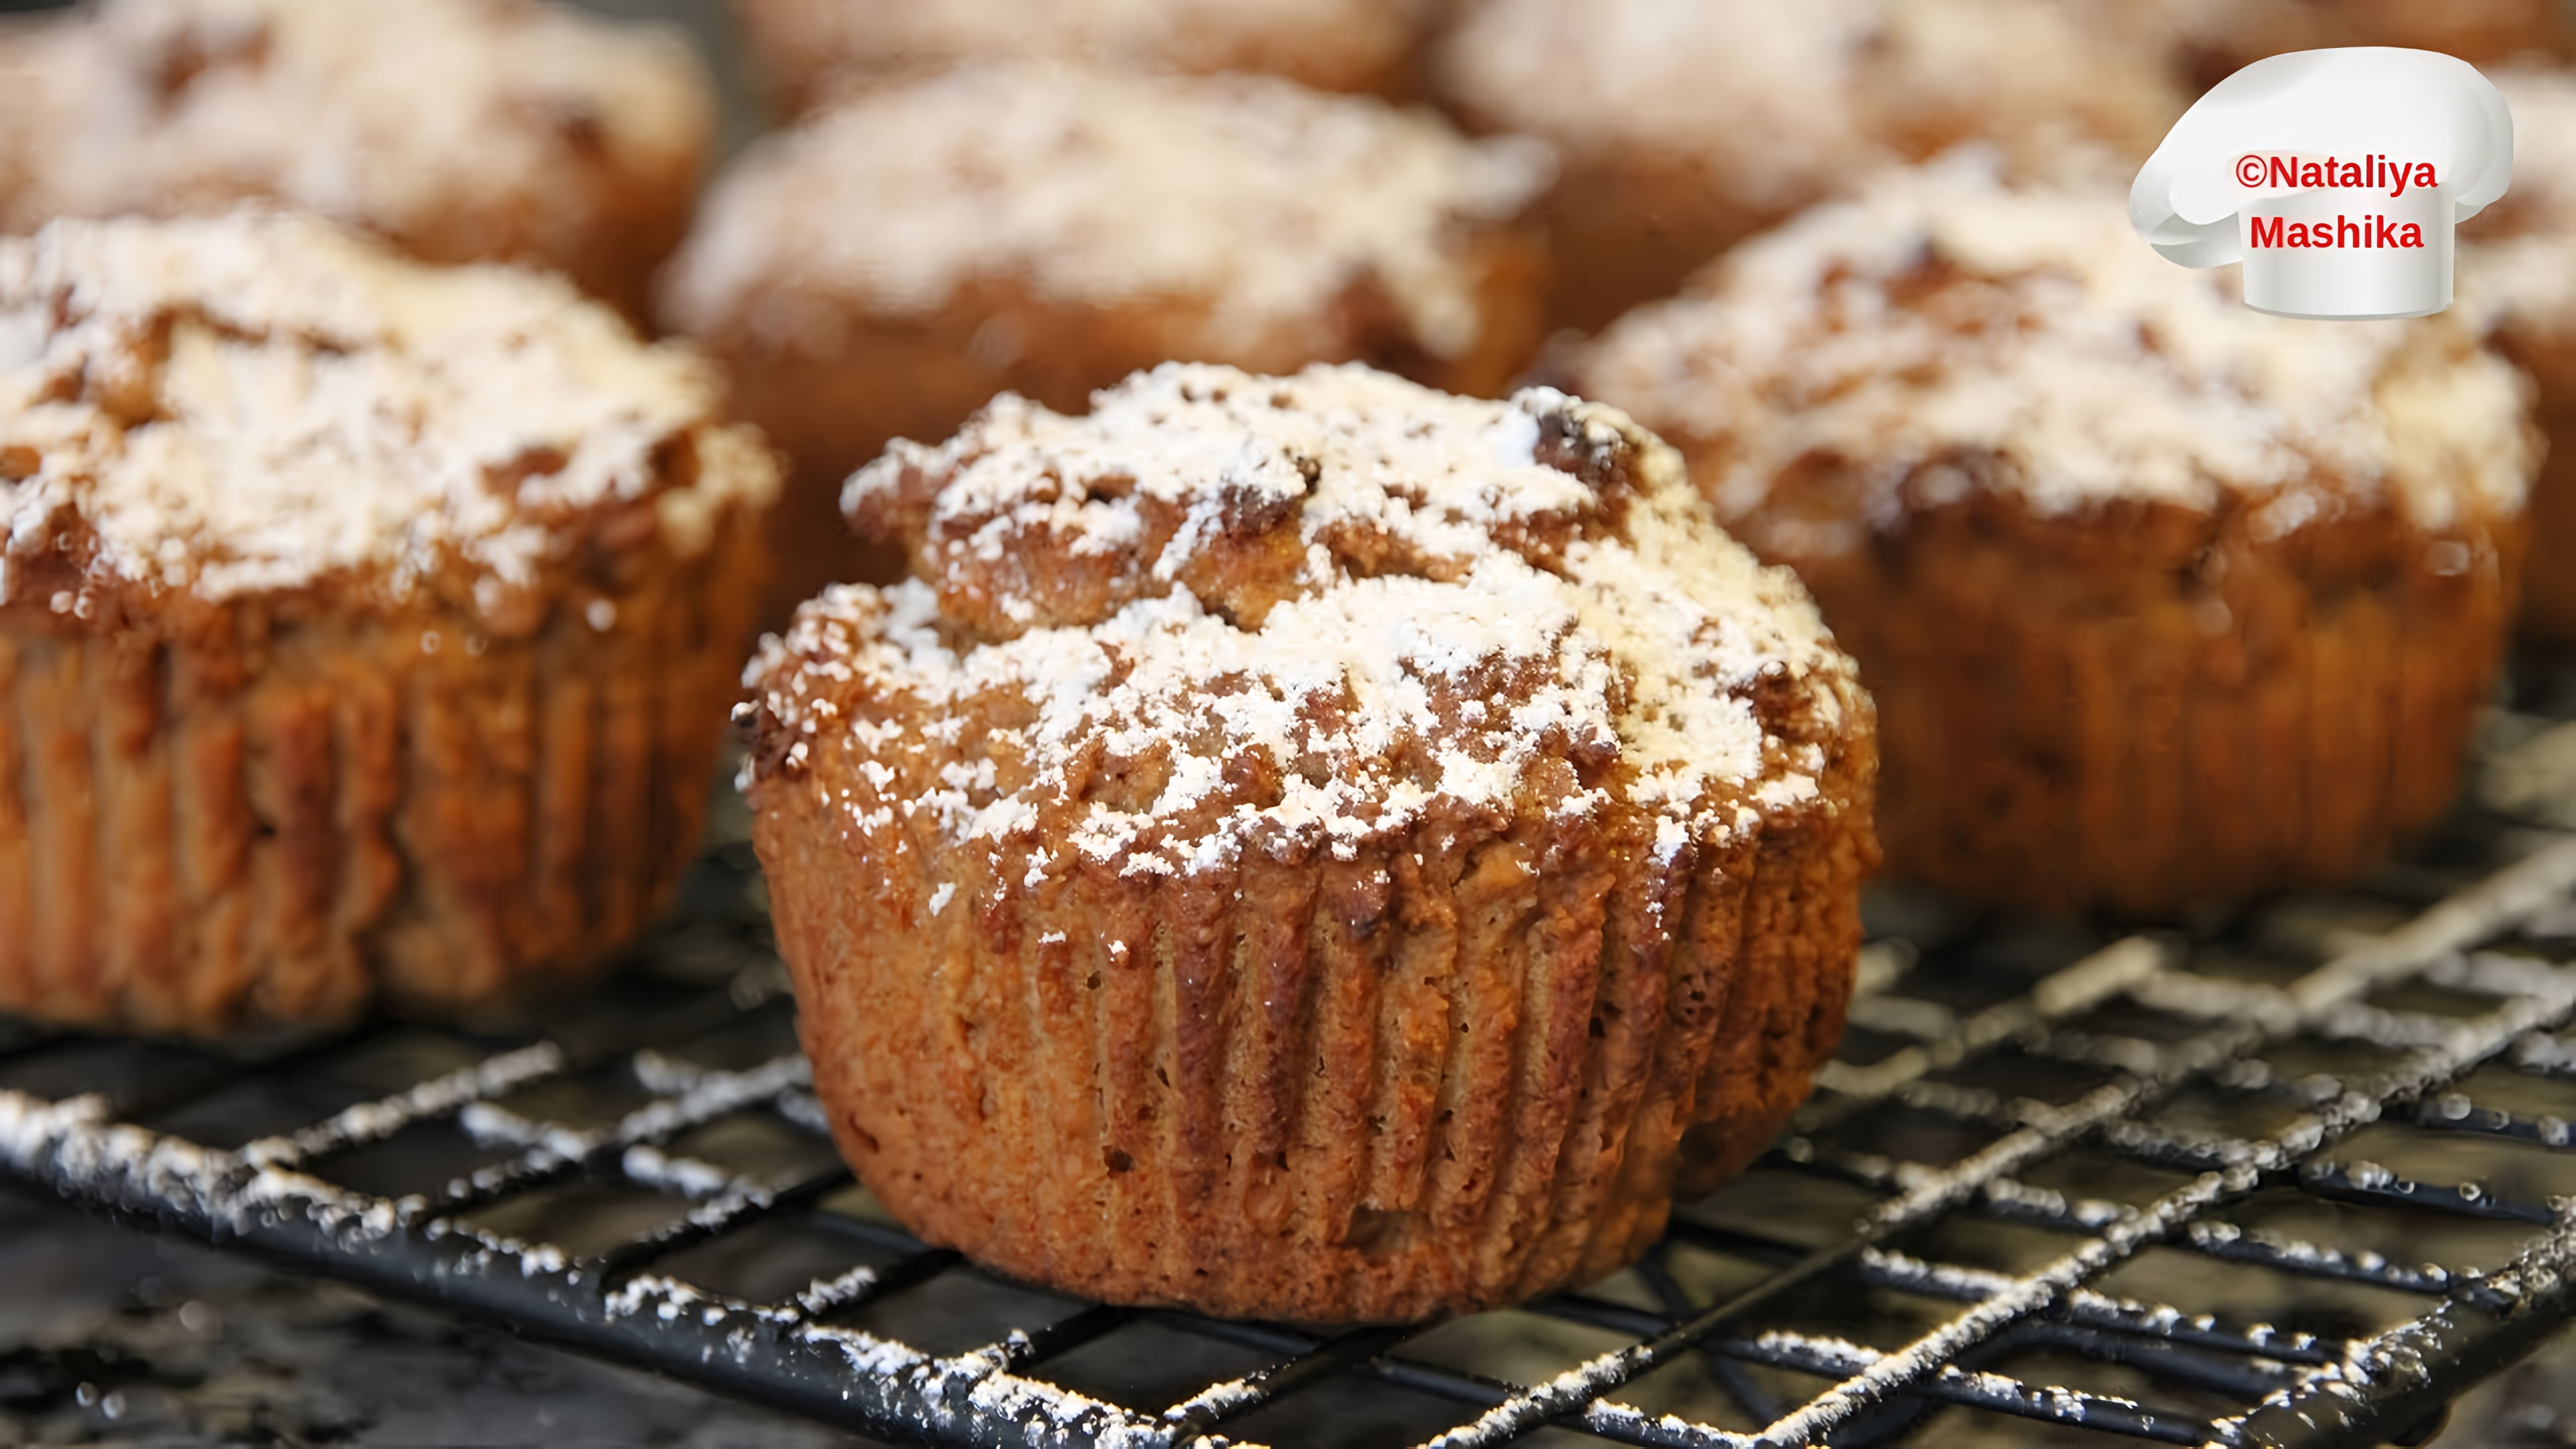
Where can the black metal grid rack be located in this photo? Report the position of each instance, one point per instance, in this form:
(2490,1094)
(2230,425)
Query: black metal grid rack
(2293,1178)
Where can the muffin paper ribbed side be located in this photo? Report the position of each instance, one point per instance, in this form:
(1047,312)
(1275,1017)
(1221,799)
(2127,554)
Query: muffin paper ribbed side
(1451,1072)
(198,833)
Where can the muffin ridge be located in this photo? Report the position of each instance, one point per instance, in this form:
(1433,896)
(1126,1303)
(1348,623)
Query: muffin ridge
(1616,635)
(183,413)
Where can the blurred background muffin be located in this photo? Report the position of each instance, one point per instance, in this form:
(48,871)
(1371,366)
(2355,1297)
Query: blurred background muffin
(460,130)
(1684,127)
(884,269)
(2517,277)
(2219,37)
(2163,601)
(816,51)
(367,629)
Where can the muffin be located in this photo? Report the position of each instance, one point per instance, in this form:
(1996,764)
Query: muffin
(2517,280)
(1684,127)
(2163,601)
(817,51)
(460,130)
(1047,230)
(1307,848)
(367,629)
(2219,37)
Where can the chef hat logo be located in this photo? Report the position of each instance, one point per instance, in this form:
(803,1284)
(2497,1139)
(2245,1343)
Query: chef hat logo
(2336,176)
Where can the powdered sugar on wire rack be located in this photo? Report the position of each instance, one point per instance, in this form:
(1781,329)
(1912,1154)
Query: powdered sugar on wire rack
(2462,992)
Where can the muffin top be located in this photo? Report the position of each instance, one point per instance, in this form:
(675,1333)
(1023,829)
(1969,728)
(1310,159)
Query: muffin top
(820,48)
(1248,202)
(2218,36)
(2518,257)
(253,405)
(1781,103)
(1942,332)
(434,121)
(1223,613)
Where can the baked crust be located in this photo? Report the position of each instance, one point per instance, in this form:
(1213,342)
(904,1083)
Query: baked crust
(815,52)
(1357,1033)
(809,275)
(2164,603)
(2219,37)
(2517,282)
(344,660)
(459,130)
(2546,350)
(280,814)
(1680,130)
(2146,708)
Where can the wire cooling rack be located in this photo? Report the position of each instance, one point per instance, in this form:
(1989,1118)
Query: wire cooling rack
(2296,1177)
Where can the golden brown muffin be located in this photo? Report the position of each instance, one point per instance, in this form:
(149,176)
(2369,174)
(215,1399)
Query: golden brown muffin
(2517,280)
(1685,126)
(461,130)
(820,51)
(2163,601)
(2219,37)
(366,629)
(1028,227)
(1307,848)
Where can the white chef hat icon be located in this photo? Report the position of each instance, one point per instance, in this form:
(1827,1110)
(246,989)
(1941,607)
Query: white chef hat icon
(2334,175)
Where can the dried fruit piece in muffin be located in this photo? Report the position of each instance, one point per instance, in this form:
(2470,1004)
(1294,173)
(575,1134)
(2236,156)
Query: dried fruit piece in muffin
(1308,847)
(460,130)
(2163,601)
(1047,230)
(819,51)
(1684,127)
(366,628)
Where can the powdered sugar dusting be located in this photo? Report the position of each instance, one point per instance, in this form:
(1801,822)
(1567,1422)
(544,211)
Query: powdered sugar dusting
(396,117)
(1446,622)
(257,402)
(1779,104)
(1246,198)
(1941,320)
(1188,35)
(2517,261)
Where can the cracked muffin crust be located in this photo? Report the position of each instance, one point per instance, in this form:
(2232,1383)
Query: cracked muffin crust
(366,629)
(1046,230)
(2163,601)
(1310,847)
(459,130)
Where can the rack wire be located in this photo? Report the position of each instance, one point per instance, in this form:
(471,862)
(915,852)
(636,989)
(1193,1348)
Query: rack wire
(2295,1178)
